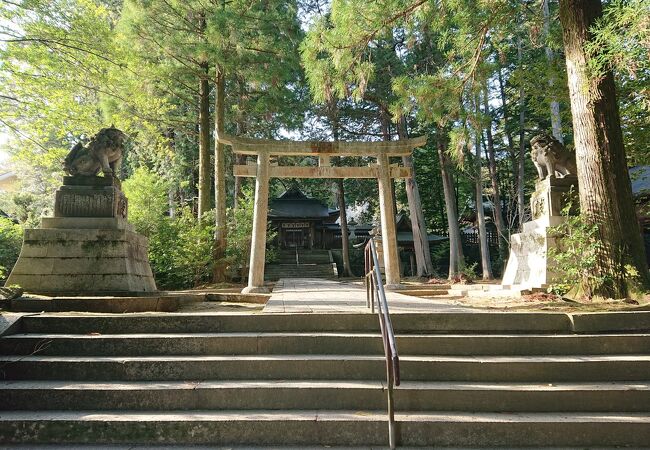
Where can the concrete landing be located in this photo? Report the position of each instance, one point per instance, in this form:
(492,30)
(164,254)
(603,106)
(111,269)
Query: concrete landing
(314,295)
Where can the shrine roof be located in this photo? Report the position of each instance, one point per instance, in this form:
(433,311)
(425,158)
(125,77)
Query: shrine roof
(295,204)
(640,177)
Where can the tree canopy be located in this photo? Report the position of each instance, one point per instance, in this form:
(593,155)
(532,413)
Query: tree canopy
(479,78)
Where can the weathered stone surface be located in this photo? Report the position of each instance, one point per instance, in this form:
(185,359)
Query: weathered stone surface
(551,158)
(103,152)
(87,223)
(551,196)
(529,265)
(233,380)
(91,180)
(60,260)
(90,201)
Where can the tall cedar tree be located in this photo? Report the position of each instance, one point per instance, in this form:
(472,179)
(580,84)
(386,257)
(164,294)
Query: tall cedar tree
(605,191)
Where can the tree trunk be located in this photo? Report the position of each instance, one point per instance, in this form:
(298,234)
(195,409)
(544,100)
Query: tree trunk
(496,194)
(220,231)
(486,265)
(521,202)
(241,130)
(423,264)
(512,187)
(238,193)
(605,190)
(345,241)
(556,120)
(204,144)
(456,260)
(340,199)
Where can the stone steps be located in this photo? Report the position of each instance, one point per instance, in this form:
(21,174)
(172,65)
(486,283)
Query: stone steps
(319,343)
(404,323)
(328,394)
(337,367)
(308,264)
(266,427)
(275,272)
(468,380)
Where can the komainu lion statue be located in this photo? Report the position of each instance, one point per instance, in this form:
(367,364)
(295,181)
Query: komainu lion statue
(551,158)
(103,152)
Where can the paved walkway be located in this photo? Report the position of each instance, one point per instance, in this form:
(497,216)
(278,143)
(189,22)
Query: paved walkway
(304,295)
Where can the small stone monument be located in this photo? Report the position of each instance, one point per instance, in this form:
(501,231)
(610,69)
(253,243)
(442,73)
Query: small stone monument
(528,264)
(88,247)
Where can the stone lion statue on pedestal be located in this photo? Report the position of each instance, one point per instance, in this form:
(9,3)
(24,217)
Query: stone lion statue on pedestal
(551,158)
(103,152)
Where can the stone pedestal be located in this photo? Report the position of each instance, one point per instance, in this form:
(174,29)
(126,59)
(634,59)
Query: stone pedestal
(86,196)
(528,264)
(85,255)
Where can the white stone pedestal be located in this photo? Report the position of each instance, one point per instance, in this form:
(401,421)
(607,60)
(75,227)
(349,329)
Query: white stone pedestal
(83,255)
(528,265)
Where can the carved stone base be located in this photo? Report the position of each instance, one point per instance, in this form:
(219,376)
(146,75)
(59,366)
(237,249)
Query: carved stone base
(91,256)
(255,290)
(528,265)
(88,196)
(551,196)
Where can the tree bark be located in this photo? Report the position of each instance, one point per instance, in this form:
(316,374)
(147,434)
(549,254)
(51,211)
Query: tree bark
(204,143)
(220,231)
(340,199)
(521,202)
(605,190)
(345,241)
(424,266)
(486,265)
(494,180)
(456,259)
(241,130)
(512,187)
(556,119)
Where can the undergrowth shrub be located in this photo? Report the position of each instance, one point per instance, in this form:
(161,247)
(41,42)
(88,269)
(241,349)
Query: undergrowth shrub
(180,247)
(11,239)
(240,232)
(574,257)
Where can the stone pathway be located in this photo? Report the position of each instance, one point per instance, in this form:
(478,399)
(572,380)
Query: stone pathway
(305,295)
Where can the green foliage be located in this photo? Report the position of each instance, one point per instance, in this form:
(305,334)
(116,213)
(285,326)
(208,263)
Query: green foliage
(621,43)
(240,231)
(180,247)
(148,203)
(575,257)
(180,251)
(11,238)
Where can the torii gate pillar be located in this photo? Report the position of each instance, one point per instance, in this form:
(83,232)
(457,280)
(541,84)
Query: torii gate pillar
(388,241)
(264,148)
(258,240)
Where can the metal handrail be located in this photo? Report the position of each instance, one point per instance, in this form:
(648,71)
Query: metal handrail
(375,292)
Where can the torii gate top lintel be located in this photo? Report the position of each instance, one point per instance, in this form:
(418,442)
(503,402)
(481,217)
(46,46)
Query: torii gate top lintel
(263,170)
(251,146)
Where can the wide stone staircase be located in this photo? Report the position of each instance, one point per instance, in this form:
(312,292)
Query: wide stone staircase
(468,380)
(302,263)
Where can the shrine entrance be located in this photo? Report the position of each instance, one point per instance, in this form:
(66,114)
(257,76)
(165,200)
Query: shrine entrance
(263,170)
(293,237)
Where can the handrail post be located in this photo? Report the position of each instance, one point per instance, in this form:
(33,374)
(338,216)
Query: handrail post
(391,409)
(375,291)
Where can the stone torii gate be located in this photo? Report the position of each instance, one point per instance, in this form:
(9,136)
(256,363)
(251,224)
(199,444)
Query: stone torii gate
(263,171)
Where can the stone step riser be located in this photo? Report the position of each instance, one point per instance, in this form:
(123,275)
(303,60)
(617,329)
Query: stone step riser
(402,323)
(305,271)
(326,398)
(144,345)
(315,368)
(327,432)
